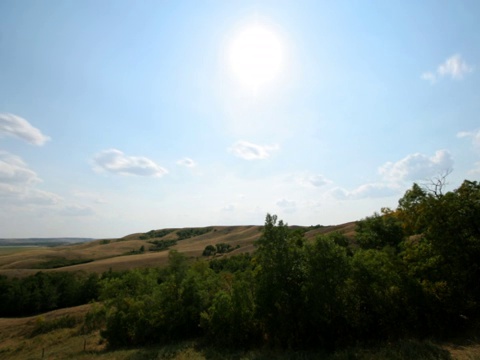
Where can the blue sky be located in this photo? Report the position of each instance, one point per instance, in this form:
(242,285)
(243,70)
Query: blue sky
(124,116)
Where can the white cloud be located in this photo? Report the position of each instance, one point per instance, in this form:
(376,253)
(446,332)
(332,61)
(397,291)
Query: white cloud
(313,180)
(17,182)
(187,162)
(454,67)
(93,197)
(371,190)
(474,135)
(115,161)
(40,197)
(417,167)
(18,195)
(249,151)
(288,206)
(13,125)
(429,76)
(13,170)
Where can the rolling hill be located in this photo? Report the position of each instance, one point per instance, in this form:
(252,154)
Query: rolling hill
(137,250)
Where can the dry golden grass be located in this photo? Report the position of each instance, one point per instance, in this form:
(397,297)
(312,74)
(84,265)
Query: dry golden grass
(116,254)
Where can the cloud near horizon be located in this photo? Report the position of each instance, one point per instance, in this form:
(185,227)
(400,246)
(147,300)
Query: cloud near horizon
(417,166)
(17,183)
(454,67)
(13,170)
(315,181)
(15,126)
(288,206)
(474,135)
(370,190)
(249,151)
(116,162)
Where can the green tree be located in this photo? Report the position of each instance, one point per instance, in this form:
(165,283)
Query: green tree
(280,275)
(380,230)
(327,271)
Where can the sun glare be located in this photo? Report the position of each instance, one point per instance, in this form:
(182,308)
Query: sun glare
(255,56)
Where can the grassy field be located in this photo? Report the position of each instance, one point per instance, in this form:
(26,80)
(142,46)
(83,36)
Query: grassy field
(20,340)
(58,334)
(122,254)
(9,250)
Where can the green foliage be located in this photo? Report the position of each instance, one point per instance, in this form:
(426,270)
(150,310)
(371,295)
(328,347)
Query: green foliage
(152,234)
(61,262)
(142,310)
(413,274)
(230,320)
(192,232)
(280,277)
(220,248)
(327,268)
(209,250)
(378,231)
(45,291)
(95,319)
(43,326)
(160,245)
(442,254)
(232,264)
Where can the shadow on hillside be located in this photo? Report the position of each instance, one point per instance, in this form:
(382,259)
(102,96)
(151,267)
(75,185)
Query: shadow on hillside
(401,350)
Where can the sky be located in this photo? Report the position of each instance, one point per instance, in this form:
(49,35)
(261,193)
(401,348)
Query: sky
(121,116)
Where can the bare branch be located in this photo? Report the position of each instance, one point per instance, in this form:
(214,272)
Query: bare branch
(437,184)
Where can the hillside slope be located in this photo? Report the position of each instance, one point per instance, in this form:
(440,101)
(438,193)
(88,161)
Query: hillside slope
(126,252)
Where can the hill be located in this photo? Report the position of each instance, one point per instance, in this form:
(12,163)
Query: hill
(43,241)
(140,249)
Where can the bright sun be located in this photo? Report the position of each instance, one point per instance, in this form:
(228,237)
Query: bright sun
(255,56)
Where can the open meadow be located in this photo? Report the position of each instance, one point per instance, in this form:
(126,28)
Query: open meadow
(124,253)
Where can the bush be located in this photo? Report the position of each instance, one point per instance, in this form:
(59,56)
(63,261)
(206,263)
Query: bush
(192,232)
(43,326)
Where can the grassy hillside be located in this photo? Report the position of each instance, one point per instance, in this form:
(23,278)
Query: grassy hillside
(29,338)
(123,253)
(59,334)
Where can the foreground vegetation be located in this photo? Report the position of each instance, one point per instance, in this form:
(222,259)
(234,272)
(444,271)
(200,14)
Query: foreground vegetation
(409,273)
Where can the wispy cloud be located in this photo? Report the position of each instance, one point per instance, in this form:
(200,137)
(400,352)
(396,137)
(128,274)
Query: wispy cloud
(187,162)
(417,167)
(17,183)
(313,180)
(90,196)
(13,125)
(288,206)
(249,151)
(116,162)
(13,170)
(474,135)
(454,67)
(371,190)
(24,195)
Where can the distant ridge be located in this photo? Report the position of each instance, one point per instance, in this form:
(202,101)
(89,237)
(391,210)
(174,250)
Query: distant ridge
(42,241)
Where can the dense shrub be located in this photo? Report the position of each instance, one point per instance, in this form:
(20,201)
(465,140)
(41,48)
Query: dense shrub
(46,291)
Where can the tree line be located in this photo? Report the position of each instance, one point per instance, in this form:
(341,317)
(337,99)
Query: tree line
(409,272)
